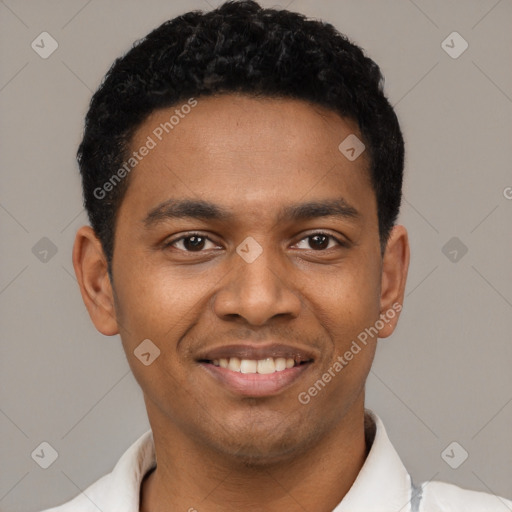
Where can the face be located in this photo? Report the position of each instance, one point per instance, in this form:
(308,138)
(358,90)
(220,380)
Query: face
(247,250)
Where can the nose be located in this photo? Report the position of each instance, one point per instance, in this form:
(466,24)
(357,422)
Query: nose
(258,291)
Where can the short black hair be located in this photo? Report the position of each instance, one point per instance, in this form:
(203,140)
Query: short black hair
(239,47)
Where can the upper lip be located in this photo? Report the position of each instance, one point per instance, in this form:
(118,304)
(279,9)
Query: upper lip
(257,352)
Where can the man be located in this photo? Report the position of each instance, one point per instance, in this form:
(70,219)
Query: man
(242,172)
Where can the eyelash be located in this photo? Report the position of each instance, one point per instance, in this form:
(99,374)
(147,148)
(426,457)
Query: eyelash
(341,243)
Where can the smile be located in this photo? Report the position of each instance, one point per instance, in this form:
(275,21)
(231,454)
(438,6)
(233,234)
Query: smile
(256,371)
(261,366)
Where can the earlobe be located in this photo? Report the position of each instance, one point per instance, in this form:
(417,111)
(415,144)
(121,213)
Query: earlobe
(91,271)
(395,264)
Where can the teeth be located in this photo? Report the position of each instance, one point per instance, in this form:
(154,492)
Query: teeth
(248,366)
(234,364)
(280,364)
(263,366)
(266,365)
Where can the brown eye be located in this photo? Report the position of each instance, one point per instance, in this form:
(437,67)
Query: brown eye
(319,242)
(194,242)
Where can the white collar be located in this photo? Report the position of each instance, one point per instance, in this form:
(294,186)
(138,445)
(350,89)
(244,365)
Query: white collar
(382,484)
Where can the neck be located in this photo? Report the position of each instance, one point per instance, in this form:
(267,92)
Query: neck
(192,477)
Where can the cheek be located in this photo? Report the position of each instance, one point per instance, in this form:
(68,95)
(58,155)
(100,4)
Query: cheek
(350,309)
(349,297)
(160,308)
(153,304)
(347,305)
(161,302)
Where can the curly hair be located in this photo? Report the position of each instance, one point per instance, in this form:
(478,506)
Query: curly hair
(239,47)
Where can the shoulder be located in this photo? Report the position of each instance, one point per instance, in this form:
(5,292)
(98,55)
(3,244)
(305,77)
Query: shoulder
(87,500)
(444,497)
(119,489)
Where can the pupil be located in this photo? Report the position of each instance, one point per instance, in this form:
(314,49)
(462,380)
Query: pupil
(322,244)
(191,244)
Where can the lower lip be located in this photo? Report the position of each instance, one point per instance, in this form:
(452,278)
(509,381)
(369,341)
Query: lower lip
(255,384)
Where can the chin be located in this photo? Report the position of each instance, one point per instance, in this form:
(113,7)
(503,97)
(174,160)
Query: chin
(259,445)
(259,455)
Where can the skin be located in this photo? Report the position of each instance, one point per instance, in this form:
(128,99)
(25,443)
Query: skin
(217,450)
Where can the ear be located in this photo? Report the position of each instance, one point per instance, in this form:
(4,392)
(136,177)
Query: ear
(395,264)
(91,271)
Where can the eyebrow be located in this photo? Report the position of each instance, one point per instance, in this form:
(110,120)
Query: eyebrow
(205,210)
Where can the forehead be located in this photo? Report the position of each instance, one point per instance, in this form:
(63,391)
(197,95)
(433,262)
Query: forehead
(247,153)
(225,124)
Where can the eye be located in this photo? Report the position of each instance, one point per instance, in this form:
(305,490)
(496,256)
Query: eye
(321,241)
(194,242)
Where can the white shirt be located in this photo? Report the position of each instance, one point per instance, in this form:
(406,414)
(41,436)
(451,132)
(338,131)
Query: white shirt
(382,485)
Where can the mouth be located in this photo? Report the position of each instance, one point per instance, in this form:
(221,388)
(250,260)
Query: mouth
(256,371)
(260,366)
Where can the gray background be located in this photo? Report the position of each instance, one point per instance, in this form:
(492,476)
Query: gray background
(445,374)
